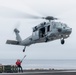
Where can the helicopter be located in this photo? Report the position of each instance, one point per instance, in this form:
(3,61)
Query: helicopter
(44,32)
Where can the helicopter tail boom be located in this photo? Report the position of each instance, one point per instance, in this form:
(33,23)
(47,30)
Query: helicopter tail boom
(12,42)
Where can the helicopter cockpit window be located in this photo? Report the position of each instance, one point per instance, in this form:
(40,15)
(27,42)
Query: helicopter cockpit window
(64,26)
(54,26)
(44,23)
(42,32)
(34,29)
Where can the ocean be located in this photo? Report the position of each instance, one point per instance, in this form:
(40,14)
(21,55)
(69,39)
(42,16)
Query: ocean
(42,63)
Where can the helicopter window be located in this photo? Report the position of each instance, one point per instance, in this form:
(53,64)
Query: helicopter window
(42,32)
(54,26)
(48,28)
(35,29)
(44,23)
(64,27)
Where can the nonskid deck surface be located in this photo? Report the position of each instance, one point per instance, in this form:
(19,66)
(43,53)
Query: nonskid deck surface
(44,72)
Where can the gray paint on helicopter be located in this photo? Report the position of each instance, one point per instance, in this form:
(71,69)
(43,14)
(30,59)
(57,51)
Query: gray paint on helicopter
(56,51)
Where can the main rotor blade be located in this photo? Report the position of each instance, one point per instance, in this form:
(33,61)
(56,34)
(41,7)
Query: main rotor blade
(12,13)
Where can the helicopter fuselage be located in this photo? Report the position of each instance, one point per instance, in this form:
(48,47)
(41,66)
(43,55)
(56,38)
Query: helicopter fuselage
(44,32)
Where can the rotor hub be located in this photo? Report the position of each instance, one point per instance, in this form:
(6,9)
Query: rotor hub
(49,18)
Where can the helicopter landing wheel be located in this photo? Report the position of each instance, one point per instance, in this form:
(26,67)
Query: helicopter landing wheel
(62,41)
(24,49)
(46,39)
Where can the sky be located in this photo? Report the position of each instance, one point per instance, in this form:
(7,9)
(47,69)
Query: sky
(14,13)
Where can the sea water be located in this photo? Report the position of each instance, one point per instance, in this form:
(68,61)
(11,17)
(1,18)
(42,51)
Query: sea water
(43,63)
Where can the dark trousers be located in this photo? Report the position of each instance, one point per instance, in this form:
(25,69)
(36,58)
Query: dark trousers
(20,68)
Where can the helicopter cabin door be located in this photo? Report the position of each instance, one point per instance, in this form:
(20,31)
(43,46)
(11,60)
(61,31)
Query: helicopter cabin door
(35,35)
(42,32)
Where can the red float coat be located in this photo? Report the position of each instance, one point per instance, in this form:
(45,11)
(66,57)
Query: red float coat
(18,63)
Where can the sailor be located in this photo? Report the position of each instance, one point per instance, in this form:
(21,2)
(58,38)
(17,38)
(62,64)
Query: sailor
(18,63)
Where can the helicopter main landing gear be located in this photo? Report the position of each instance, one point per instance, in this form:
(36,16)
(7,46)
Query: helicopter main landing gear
(46,39)
(24,49)
(62,41)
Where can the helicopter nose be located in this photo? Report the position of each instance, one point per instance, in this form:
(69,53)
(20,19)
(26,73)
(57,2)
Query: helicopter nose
(69,30)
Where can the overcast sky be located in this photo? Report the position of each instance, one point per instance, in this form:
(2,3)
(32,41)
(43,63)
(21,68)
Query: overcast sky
(13,14)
